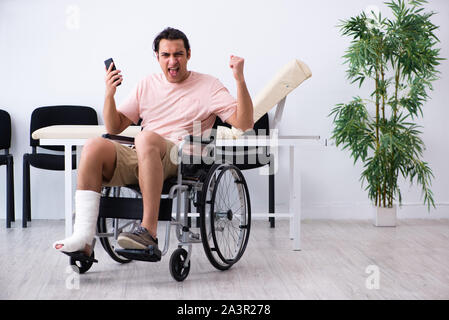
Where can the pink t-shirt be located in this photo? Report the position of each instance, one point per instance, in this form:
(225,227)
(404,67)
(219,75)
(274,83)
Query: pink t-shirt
(171,109)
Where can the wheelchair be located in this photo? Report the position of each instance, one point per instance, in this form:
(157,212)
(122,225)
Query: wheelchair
(217,190)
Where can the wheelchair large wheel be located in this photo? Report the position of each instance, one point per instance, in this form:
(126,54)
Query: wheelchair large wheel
(106,226)
(225,215)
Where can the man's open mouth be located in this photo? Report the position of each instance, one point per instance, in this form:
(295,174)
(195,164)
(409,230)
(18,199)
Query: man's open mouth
(173,71)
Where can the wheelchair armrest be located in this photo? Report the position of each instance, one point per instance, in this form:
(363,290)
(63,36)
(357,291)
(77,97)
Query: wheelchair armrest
(119,139)
(191,141)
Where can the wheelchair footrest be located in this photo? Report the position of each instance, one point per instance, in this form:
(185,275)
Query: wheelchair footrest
(81,256)
(151,254)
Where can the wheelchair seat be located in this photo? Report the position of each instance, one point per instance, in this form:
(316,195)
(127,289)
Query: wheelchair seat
(168,183)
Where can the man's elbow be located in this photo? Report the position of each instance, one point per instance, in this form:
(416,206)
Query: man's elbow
(246,125)
(112,130)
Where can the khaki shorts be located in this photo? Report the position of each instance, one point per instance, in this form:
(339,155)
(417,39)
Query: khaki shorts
(127,170)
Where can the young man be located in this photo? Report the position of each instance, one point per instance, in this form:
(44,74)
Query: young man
(168,104)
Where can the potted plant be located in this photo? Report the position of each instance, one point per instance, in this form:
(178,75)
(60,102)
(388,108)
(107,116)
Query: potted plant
(399,59)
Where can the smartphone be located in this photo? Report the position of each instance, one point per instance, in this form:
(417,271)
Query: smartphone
(108,63)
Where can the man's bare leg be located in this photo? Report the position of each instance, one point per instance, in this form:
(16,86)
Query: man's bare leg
(150,148)
(97,163)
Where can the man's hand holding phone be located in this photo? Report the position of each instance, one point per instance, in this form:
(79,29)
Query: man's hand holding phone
(113,77)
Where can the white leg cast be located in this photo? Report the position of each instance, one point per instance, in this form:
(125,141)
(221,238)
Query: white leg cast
(87,205)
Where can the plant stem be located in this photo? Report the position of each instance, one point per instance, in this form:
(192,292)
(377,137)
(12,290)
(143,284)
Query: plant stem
(377,123)
(396,103)
(384,187)
(396,89)
(377,107)
(384,91)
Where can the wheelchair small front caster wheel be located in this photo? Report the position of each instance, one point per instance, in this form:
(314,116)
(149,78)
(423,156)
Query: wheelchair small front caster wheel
(177,269)
(82,266)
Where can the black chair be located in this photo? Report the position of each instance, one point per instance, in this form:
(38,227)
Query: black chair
(43,117)
(7,159)
(261,126)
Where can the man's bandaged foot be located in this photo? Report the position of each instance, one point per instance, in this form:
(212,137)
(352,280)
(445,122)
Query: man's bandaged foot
(87,205)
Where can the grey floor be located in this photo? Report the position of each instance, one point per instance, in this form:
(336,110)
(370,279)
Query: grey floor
(339,260)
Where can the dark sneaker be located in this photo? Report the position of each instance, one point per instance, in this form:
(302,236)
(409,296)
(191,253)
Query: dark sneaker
(138,239)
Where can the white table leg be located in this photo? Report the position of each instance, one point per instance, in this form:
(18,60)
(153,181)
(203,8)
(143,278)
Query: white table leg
(79,149)
(68,189)
(291,180)
(295,201)
(297,206)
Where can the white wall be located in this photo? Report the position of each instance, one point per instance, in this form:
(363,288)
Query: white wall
(50,57)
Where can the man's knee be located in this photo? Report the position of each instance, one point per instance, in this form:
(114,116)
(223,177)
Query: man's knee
(148,142)
(98,149)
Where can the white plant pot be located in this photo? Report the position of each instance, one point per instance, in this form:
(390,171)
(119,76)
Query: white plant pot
(385,217)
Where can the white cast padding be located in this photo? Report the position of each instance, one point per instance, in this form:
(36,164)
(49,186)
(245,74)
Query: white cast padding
(287,79)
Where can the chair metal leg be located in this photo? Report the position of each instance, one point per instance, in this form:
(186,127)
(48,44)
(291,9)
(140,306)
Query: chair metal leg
(26,208)
(10,215)
(271,196)
(188,209)
(8,211)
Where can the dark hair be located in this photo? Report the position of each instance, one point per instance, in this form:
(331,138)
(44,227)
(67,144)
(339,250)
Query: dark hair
(171,34)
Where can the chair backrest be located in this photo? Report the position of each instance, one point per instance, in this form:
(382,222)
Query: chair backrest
(60,115)
(5,130)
